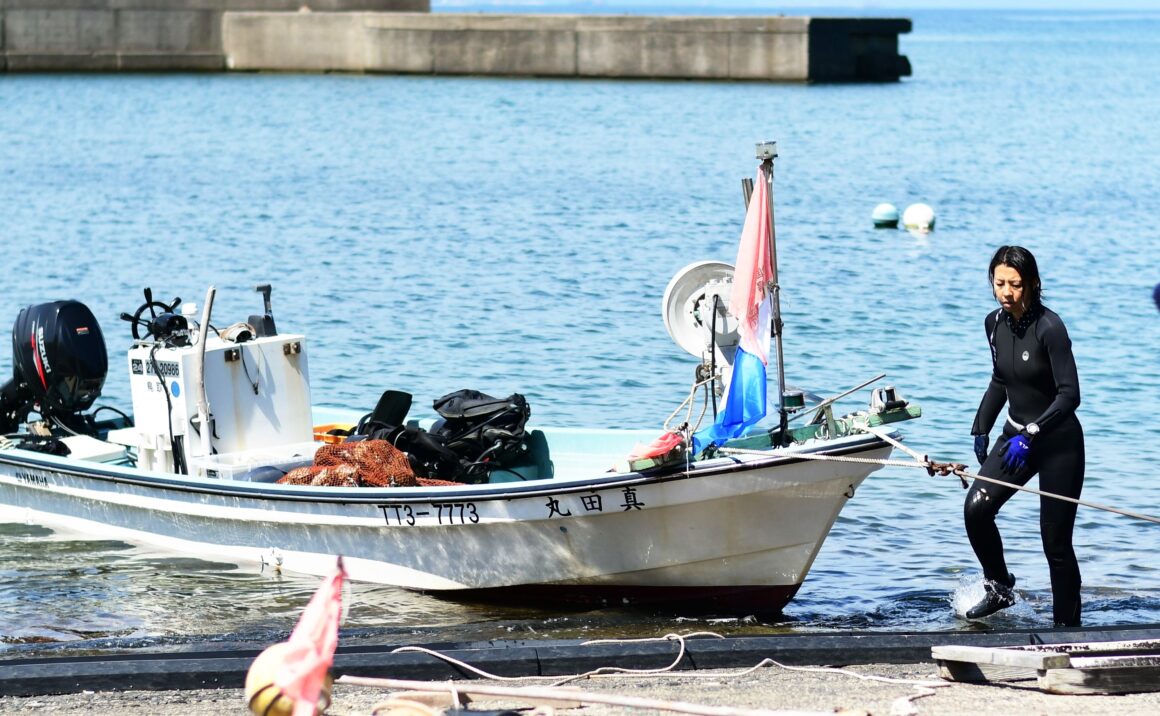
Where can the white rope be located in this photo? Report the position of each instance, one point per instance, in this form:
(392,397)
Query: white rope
(949,469)
(1095,505)
(961,471)
(689,401)
(847,672)
(883,435)
(818,456)
(558,680)
(555,693)
(571,695)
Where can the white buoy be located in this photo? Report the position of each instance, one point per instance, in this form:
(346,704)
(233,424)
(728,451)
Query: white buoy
(919,217)
(885,216)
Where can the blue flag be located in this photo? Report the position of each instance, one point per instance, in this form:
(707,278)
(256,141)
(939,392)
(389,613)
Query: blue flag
(744,402)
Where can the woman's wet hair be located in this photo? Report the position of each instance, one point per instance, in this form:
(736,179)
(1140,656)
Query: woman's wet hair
(1022,261)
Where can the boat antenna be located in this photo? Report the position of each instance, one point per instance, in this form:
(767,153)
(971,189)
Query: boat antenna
(767,152)
(203,414)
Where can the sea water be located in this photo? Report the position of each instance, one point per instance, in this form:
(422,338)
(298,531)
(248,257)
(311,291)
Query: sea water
(516,235)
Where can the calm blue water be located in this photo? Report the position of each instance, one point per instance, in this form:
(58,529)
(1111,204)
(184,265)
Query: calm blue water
(510,235)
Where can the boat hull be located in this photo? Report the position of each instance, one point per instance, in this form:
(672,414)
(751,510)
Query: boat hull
(755,599)
(735,534)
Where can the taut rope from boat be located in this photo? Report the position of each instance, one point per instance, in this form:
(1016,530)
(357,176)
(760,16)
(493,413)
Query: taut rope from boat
(942,469)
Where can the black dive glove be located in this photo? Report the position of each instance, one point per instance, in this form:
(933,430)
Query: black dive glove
(981,442)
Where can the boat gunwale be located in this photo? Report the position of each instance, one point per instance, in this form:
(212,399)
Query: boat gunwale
(401,495)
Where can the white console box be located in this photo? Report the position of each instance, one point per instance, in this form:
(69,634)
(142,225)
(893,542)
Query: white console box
(258,393)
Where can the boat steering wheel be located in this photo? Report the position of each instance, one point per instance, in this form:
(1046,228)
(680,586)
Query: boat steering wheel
(155,309)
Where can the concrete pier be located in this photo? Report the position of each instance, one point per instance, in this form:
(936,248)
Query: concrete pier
(793,49)
(402,37)
(137,35)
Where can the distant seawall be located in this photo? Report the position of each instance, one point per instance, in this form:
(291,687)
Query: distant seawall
(402,37)
(138,35)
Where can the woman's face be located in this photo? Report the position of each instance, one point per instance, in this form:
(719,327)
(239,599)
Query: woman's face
(1008,286)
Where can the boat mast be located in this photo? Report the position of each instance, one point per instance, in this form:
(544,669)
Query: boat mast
(767,152)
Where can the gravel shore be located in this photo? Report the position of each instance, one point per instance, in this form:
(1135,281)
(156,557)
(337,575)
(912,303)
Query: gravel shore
(894,689)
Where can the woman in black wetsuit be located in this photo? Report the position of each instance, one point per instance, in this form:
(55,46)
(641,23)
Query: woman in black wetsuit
(1035,375)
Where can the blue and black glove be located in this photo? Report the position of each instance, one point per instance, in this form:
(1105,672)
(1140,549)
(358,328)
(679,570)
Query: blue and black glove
(981,443)
(1016,452)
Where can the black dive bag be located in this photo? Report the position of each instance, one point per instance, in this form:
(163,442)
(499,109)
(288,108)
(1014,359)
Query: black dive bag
(476,434)
(480,428)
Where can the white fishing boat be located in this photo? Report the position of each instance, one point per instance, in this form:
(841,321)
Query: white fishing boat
(221,420)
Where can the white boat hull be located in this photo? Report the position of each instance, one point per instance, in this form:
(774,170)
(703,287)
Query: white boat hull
(736,533)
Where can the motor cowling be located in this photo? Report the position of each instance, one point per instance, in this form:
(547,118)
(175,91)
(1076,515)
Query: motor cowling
(59,357)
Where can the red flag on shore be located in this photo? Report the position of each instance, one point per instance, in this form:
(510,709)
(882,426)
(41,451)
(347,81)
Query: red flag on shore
(312,645)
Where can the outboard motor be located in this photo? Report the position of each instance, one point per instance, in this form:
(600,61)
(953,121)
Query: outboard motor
(59,365)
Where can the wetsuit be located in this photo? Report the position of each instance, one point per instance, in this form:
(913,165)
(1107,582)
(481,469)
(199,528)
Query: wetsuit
(1034,371)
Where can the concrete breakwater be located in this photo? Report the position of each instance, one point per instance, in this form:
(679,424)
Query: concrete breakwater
(795,49)
(402,37)
(138,35)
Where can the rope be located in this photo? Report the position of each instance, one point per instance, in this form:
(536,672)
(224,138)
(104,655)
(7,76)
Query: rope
(552,692)
(883,435)
(689,401)
(944,469)
(847,672)
(601,671)
(962,472)
(569,695)
(817,456)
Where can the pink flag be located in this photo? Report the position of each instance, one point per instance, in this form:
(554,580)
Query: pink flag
(312,645)
(750,301)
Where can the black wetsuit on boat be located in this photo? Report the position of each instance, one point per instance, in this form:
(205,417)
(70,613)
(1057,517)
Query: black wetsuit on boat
(1034,371)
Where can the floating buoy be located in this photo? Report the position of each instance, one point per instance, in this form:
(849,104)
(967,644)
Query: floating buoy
(919,217)
(263,695)
(885,216)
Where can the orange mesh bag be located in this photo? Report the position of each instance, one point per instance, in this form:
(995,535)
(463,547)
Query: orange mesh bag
(298,476)
(336,476)
(322,475)
(379,463)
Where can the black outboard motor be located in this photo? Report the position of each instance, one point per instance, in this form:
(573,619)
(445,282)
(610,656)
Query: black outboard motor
(59,365)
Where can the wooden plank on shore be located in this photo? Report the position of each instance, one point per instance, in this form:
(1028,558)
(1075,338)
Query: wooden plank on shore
(1120,661)
(1091,648)
(1081,668)
(968,672)
(1001,656)
(1114,680)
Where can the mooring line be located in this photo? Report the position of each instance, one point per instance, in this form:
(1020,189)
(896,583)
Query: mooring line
(1107,508)
(883,435)
(956,469)
(960,470)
